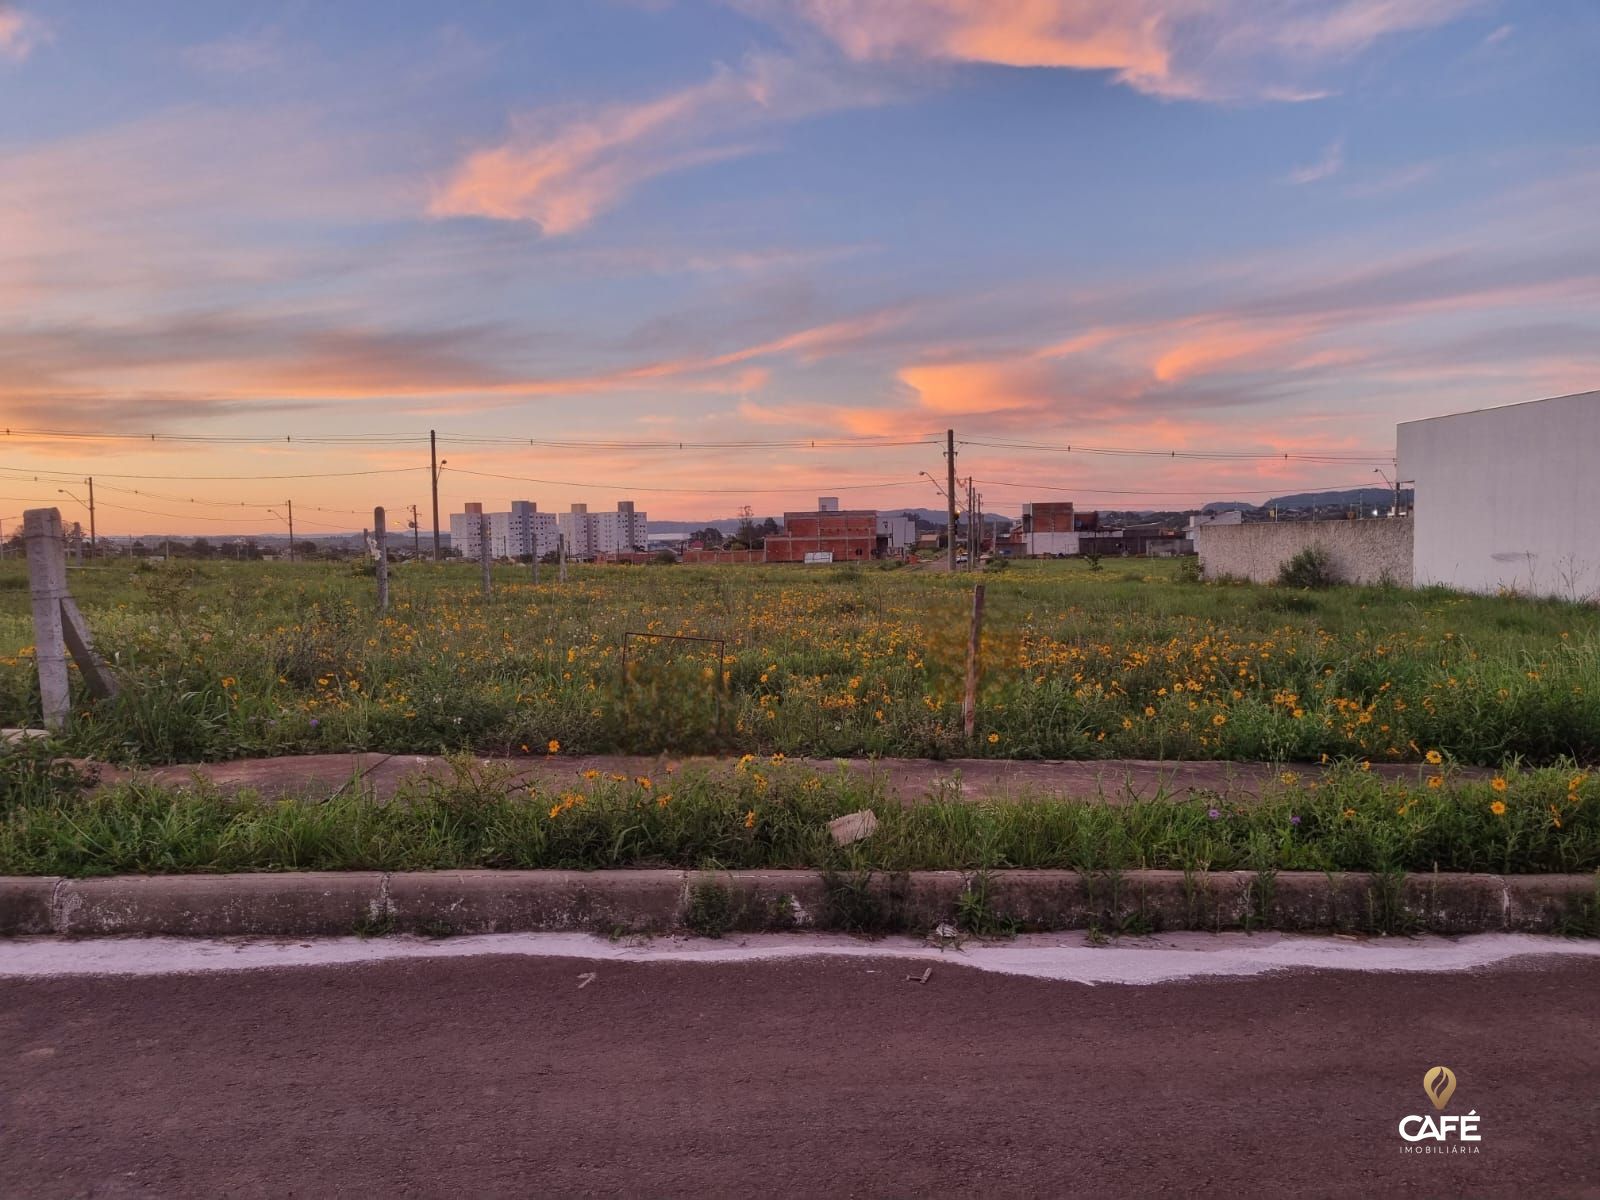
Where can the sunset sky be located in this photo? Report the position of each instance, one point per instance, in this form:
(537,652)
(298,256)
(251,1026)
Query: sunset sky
(1246,226)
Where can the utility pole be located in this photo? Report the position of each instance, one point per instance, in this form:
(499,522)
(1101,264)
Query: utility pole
(416,536)
(950,494)
(290,504)
(972,523)
(94,542)
(433,473)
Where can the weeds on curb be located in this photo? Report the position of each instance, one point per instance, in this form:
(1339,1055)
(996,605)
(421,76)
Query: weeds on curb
(711,910)
(863,902)
(374,926)
(1387,911)
(1582,919)
(976,913)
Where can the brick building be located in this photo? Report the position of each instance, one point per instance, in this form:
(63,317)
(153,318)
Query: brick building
(1052,527)
(850,535)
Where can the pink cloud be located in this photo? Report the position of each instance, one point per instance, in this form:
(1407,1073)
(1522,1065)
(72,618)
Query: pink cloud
(21,33)
(1178,49)
(562,169)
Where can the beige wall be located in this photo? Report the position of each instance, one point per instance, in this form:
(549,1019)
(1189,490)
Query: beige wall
(1371,551)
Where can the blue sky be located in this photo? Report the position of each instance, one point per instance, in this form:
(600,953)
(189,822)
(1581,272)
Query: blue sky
(1269,226)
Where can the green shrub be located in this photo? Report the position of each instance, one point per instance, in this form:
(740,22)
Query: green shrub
(1311,568)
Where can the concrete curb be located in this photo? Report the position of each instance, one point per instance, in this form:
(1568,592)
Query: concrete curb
(613,902)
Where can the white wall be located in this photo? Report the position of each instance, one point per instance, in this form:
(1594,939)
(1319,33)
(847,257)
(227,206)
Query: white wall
(1051,543)
(1508,497)
(900,530)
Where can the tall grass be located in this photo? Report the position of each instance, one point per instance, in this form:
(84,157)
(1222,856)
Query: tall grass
(226,659)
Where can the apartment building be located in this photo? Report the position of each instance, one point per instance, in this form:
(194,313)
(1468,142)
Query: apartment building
(522,532)
(466,531)
(598,535)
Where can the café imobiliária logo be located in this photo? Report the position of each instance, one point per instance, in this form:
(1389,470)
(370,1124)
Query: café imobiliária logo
(1440,1132)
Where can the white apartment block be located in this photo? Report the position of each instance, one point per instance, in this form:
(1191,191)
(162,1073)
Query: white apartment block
(522,532)
(596,535)
(514,535)
(466,531)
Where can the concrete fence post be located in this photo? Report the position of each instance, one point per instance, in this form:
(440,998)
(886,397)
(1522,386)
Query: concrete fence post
(483,553)
(380,537)
(58,626)
(47,585)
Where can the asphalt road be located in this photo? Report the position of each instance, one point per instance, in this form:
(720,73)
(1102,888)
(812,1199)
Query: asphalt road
(502,1077)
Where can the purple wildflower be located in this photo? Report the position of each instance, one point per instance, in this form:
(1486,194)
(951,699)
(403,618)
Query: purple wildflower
(1294,819)
(1214,814)
(314,722)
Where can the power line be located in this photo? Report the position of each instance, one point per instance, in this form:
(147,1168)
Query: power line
(1215,455)
(405,439)
(742,491)
(22,473)
(818,443)
(685,444)
(349,512)
(324,439)
(1192,492)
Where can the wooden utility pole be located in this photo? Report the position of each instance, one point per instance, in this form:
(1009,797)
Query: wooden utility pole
(94,542)
(380,535)
(969,701)
(416,535)
(950,494)
(483,553)
(290,505)
(58,626)
(433,475)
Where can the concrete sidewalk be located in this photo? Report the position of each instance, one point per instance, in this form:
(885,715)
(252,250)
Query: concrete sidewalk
(909,780)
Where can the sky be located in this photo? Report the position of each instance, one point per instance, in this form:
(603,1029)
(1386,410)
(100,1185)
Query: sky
(290,239)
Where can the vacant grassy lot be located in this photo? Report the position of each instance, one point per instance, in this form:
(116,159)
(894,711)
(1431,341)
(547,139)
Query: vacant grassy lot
(222,660)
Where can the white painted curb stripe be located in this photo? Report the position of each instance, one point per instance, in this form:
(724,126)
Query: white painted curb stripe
(1067,957)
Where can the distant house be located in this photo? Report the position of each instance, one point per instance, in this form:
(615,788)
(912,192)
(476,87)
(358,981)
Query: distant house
(1052,528)
(849,535)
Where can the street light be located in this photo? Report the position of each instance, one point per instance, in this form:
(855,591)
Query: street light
(1395,486)
(85,503)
